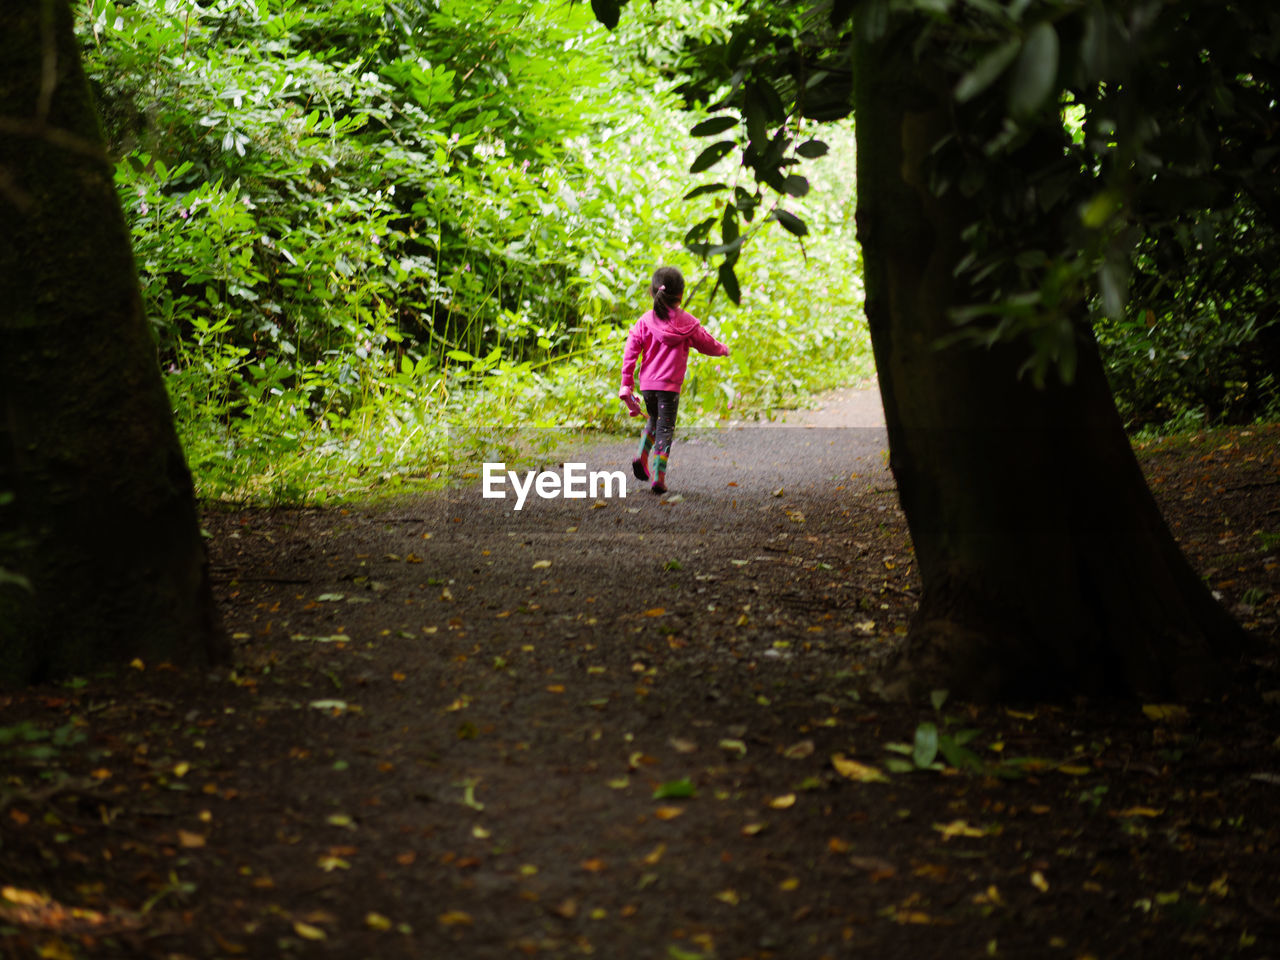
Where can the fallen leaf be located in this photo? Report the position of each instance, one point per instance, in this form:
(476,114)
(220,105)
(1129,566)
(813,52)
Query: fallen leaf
(1172,712)
(376,921)
(860,772)
(541,564)
(879,869)
(308,932)
(191,840)
(681,745)
(655,611)
(1138,812)
(783,802)
(675,790)
(798,751)
(566,909)
(752,829)
(594,865)
(959,828)
(455,918)
(668,813)
(791,883)
(1039,882)
(651,858)
(731,897)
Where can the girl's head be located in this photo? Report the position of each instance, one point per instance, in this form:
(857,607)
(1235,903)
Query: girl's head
(667,289)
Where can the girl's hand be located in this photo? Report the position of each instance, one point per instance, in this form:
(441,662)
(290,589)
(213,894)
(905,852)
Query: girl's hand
(624,393)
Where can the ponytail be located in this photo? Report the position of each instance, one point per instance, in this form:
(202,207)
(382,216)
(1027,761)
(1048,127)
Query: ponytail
(667,290)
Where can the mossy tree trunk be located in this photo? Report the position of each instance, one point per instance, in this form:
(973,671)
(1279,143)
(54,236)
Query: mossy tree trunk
(97,510)
(1047,568)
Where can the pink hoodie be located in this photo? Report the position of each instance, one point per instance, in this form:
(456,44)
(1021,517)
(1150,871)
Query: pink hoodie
(665,345)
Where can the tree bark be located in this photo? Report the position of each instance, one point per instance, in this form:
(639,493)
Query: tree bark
(1047,568)
(97,510)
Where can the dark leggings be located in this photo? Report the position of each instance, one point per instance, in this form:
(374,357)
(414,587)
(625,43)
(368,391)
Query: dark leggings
(662,406)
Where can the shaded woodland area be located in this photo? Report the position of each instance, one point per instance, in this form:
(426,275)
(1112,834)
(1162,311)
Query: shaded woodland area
(276,681)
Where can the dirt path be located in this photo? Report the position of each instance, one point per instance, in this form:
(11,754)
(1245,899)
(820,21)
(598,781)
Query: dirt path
(460,730)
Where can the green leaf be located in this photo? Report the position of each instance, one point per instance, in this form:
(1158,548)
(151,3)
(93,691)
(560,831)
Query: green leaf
(796,185)
(460,355)
(812,149)
(926,745)
(714,125)
(729,281)
(681,789)
(712,155)
(791,223)
(607,12)
(938,698)
(959,757)
(899,765)
(705,189)
(1036,73)
(986,71)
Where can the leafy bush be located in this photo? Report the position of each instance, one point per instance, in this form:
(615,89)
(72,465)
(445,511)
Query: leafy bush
(362,228)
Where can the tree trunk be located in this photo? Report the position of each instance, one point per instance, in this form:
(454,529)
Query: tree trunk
(1047,569)
(97,510)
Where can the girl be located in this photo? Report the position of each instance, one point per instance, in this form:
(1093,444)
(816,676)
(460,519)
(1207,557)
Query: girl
(664,336)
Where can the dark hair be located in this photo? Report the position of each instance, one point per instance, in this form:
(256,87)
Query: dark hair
(667,289)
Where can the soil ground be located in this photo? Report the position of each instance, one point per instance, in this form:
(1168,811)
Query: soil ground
(642,728)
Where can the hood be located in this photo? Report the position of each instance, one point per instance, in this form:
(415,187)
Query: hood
(676,329)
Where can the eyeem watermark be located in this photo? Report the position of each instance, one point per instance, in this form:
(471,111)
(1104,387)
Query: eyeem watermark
(575,483)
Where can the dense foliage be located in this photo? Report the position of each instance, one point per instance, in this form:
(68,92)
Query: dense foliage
(374,237)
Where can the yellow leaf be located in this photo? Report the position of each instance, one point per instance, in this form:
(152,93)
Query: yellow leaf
(188,839)
(594,865)
(455,918)
(307,931)
(752,829)
(181,769)
(668,813)
(1020,715)
(852,770)
(330,864)
(730,897)
(1173,712)
(914,916)
(655,611)
(681,745)
(137,664)
(1140,812)
(783,802)
(55,950)
(102,773)
(653,856)
(791,883)
(376,921)
(24,898)
(1039,882)
(1072,770)
(959,828)
(541,564)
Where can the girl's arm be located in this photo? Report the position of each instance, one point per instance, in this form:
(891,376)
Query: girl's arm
(704,342)
(629,357)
